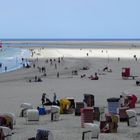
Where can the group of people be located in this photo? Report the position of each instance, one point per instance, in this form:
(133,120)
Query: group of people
(46,101)
(128,101)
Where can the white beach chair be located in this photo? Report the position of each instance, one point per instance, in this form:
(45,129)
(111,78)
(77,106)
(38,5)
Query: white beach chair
(12,115)
(25,107)
(86,135)
(55,113)
(32,115)
(132,118)
(7,133)
(94,128)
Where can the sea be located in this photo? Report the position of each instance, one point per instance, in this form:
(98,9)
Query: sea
(12,58)
(13,50)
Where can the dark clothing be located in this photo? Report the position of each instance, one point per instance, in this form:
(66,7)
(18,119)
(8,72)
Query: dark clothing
(43,98)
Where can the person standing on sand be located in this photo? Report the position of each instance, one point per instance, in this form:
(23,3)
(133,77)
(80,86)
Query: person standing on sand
(5,68)
(43,98)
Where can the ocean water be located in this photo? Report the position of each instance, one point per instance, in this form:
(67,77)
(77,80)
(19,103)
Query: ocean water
(11,58)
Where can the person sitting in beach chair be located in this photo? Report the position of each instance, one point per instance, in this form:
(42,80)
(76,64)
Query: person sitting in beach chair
(94,77)
(105,129)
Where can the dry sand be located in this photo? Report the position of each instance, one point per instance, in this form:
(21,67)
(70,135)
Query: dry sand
(15,89)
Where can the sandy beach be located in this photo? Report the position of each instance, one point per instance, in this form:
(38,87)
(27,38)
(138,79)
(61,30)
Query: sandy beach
(15,88)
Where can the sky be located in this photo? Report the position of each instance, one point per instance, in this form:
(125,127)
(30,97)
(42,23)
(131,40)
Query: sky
(75,19)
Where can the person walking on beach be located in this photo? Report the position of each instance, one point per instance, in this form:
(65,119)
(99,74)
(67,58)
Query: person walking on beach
(5,68)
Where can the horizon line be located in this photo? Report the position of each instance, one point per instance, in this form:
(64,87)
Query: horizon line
(74,39)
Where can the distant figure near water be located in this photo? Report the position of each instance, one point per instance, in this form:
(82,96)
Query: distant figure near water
(5,68)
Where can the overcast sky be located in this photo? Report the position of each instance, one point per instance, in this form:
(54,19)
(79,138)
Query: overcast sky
(70,19)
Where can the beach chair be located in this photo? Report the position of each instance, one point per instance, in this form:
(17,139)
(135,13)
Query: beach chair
(113,105)
(126,74)
(6,132)
(72,102)
(79,105)
(94,128)
(86,116)
(9,121)
(12,115)
(55,113)
(132,118)
(64,106)
(44,135)
(32,115)
(24,108)
(86,135)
